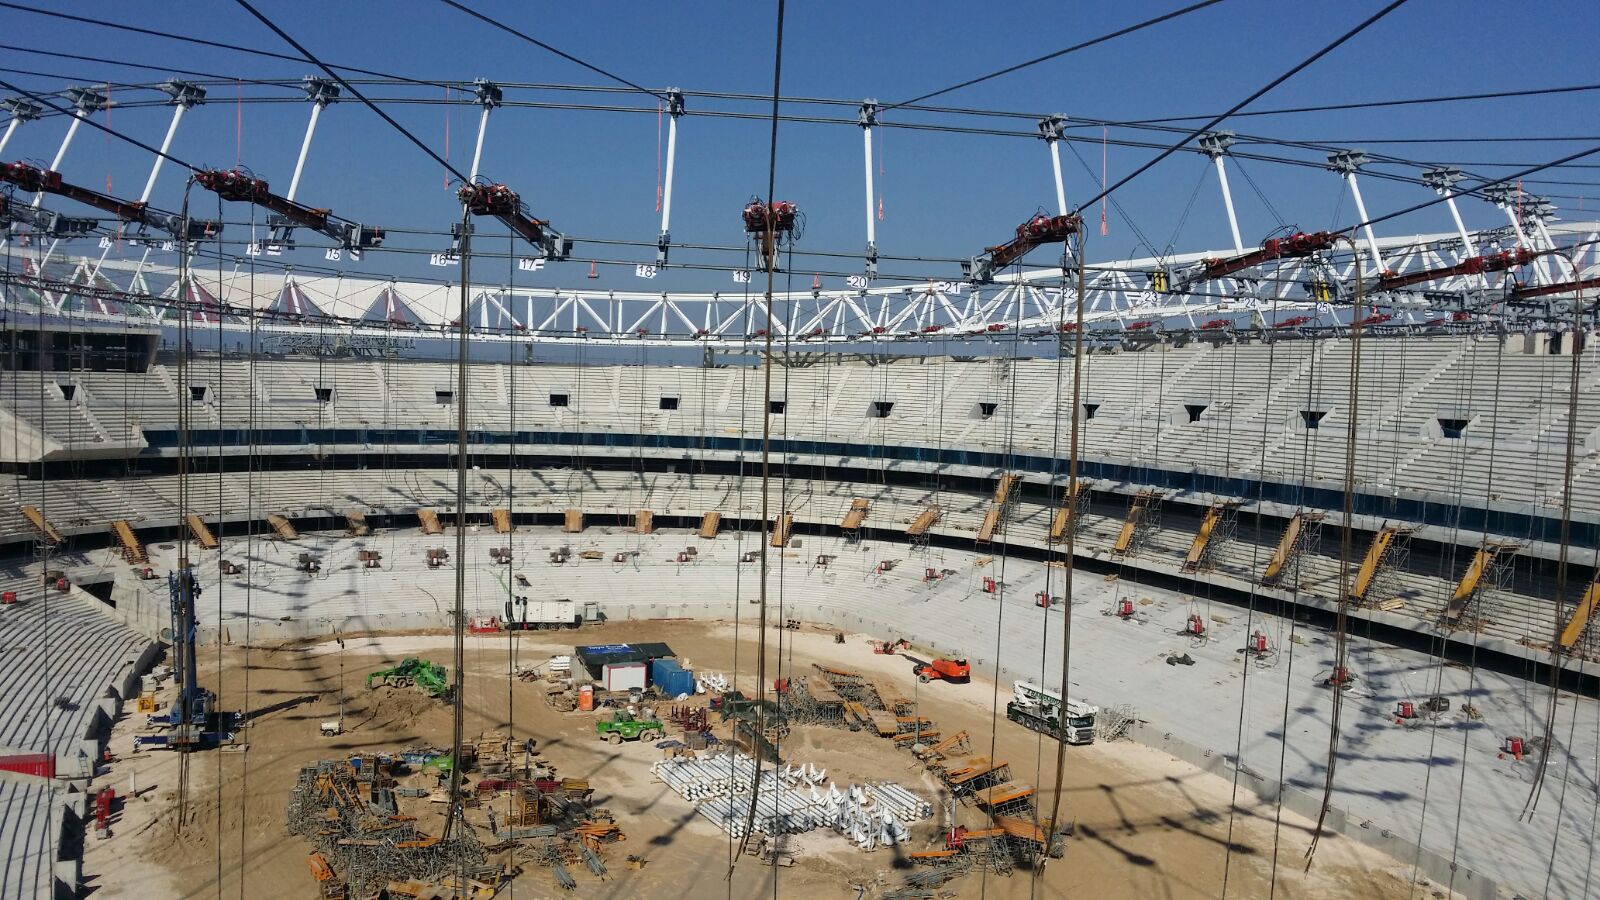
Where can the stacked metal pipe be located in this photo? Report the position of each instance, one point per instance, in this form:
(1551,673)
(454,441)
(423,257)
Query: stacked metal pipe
(791,800)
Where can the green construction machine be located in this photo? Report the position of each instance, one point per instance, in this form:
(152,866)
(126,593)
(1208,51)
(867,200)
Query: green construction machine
(624,727)
(430,678)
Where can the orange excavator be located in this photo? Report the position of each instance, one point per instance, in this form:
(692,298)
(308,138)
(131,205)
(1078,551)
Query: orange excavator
(955,671)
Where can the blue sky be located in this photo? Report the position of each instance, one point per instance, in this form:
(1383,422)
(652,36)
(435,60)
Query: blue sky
(593,174)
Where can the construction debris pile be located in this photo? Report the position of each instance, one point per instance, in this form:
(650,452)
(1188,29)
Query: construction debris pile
(516,813)
(348,809)
(791,800)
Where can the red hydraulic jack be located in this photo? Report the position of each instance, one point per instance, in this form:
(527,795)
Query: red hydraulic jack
(1513,747)
(1196,626)
(988,585)
(930,574)
(102,812)
(1404,711)
(1124,608)
(1340,677)
(1258,644)
(1043,599)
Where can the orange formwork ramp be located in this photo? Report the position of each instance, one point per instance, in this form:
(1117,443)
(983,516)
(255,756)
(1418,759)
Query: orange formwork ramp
(710,524)
(991,522)
(202,534)
(855,515)
(924,521)
(1020,828)
(1288,545)
(132,548)
(1571,634)
(1489,555)
(1003,489)
(1207,533)
(1003,793)
(1372,563)
(282,527)
(430,521)
(39,522)
(781,529)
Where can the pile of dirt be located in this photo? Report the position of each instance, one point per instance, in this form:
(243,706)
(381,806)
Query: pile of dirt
(388,707)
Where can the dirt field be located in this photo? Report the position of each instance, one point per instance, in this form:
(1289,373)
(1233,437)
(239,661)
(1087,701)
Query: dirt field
(1146,824)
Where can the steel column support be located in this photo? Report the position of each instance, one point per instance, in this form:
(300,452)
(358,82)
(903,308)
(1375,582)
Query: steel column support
(184,95)
(305,148)
(61,152)
(1361,210)
(489,97)
(1050,132)
(11,128)
(867,118)
(1216,146)
(1227,201)
(1346,163)
(1506,197)
(320,92)
(1541,209)
(674,110)
(166,144)
(1443,180)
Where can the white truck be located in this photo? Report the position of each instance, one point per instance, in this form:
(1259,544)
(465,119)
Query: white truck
(531,615)
(1040,709)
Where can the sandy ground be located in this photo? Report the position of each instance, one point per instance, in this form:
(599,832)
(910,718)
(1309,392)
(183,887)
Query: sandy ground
(1147,825)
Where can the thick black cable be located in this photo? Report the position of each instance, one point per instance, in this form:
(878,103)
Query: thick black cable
(351,88)
(1215,120)
(32,73)
(489,20)
(118,26)
(100,60)
(1193,7)
(770,252)
(1378,104)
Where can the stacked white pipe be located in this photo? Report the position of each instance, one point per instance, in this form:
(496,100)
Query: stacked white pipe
(791,800)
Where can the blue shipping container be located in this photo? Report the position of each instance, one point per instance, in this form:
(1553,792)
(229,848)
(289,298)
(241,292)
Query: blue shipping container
(672,678)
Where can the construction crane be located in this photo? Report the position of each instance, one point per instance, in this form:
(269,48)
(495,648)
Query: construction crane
(498,201)
(1296,246)
(38,180)
(193,722)
(1037,231)
(955,671)
(1472,265)
(239,186)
